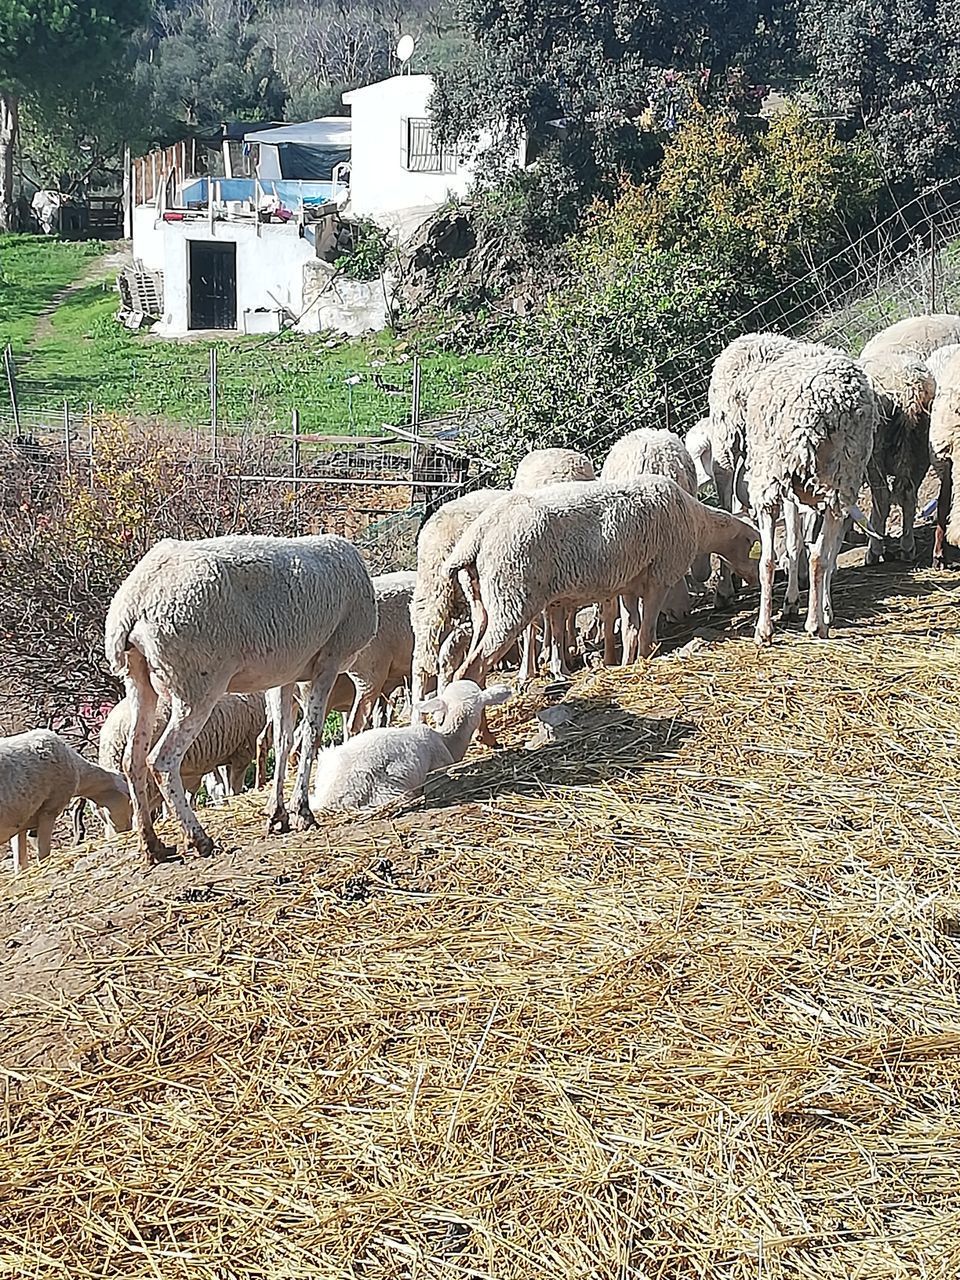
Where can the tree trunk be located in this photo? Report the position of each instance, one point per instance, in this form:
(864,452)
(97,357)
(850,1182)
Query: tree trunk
(9,128)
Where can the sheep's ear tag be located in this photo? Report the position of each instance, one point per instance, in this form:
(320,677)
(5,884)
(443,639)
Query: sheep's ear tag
(755,551)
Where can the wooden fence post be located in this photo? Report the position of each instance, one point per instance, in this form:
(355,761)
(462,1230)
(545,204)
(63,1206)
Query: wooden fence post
(91,459)
(10,370)
(295,467)
(66,438)
(214,401)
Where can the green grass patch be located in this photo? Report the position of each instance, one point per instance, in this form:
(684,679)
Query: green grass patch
(85,357)
(33,270)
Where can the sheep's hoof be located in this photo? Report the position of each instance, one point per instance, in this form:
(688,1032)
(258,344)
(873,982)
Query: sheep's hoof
(203,846)
(303,820)
(791,609)
(872,557)
(158,853)
(762,638)
(278,823)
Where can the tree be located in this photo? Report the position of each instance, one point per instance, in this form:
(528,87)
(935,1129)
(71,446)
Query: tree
(594,64)
(49,48)
(894,65)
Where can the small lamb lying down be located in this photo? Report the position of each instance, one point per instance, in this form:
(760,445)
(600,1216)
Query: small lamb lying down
(381,766)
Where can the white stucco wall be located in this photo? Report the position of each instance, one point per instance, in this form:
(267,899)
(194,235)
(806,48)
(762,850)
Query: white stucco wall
(148,237)
(270,262)
(380,187)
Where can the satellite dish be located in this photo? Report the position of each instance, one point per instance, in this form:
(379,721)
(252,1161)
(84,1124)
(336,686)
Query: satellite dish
(404,48)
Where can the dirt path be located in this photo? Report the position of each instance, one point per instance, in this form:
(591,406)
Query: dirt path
(97,270)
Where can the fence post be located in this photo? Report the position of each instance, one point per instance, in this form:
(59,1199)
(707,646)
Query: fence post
(214,401)
(415,406)
(66,437)
(295,467)
(932,300)
(12,385)
(90,440)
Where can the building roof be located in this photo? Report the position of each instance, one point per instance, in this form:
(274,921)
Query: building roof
(330,131)
(406,78)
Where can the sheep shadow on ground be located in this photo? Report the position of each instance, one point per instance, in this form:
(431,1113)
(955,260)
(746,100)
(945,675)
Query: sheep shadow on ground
(602,743)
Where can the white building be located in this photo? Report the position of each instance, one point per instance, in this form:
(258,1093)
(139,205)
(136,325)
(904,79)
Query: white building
(246,253)
(399,174)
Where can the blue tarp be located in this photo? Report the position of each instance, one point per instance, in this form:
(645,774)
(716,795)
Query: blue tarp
(287,191)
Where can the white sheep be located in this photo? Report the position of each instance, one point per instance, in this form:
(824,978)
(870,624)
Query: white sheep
(579,542)
(904,388)
(437,609)
(658,452)
(196,620)
(937,362)
(39,776)
(536,469)
(387,661)
(228,742)
(383,766)
(945,450)
(811,420)
(917,336)
(698,444)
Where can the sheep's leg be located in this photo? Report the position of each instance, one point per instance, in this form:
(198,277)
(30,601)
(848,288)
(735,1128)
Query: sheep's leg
(362,709)
(45,824)
(630,627)
(794,547)
(280,710)
(880,495)
(908,536)
(528,663)
(557,626)
(143,709)
(823,558)
(721,582)
(166,760)
(653,600)
(21,852)
(767,523)
(609,618)
(325,672)
(236,771)
(944,502)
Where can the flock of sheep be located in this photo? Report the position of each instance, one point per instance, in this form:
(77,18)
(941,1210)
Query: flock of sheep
(220,640)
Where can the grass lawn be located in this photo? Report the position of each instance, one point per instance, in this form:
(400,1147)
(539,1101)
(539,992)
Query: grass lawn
(33,270)
(80,354)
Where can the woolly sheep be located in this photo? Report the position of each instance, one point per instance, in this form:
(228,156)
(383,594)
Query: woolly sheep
(904,388)
(39,776)
(917,336)
(656,451)
(937,361)
(235,614)
(697,443)
(228,738)
(578,542)
(538,468)
(382,766)
(382,665)
(945,448)
(436,606)
(811,419)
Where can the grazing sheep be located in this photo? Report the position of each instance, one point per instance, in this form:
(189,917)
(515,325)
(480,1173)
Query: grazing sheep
(917,336)
(538,468)
(811,420)
(228,740)
(576,543)
(382,766)
(436,606)
(195,620)
(697,443)
(904,388)
(551,466)
(945,448)
(39,776)
(937,361)
(386,662)
(655,451)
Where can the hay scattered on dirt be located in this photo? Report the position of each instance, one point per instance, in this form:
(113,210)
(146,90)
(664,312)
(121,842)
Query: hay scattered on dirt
(676,997)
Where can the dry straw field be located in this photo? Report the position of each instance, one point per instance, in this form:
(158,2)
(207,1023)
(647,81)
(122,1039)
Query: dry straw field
(673,999)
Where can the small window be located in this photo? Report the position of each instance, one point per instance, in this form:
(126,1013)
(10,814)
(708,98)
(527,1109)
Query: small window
(419,151)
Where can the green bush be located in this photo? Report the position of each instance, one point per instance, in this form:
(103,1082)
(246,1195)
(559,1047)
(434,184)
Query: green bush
(369,253)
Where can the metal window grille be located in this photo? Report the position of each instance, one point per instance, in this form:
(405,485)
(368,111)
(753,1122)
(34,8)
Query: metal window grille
(420,152)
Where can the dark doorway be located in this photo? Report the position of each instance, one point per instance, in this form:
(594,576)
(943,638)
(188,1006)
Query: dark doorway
(213,285)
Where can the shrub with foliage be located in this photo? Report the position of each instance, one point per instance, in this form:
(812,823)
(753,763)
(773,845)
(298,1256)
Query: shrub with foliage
(369,253)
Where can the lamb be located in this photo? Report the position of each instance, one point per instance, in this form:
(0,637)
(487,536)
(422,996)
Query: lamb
(937,362)
(538,468)
(436,607)
(917,336)
(698,445)
(578,542)
(811,420)
(904,388)
(228,740)
(39,776)
(383,766)
(241,614)
(945,449)
(650,451)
